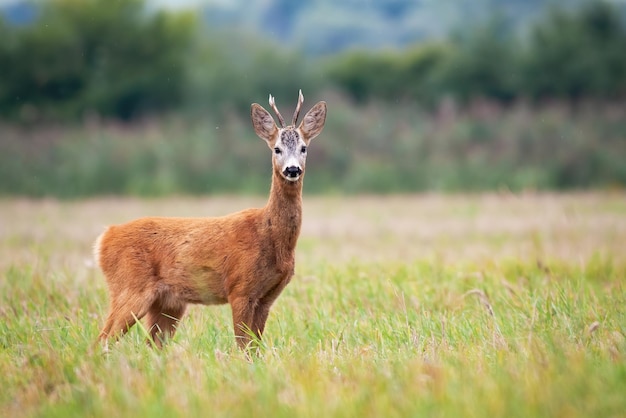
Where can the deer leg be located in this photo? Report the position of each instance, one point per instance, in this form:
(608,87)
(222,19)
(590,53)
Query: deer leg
(243,314)
(263,309)
(123,314)
(260,317)
(162,321)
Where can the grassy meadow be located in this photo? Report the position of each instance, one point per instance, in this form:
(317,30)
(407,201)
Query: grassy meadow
(507,305)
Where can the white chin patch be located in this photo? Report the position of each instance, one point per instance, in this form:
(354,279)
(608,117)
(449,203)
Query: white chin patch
(291,178)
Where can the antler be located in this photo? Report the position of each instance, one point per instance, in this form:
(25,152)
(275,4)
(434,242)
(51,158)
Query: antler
(273,106)
(298,106)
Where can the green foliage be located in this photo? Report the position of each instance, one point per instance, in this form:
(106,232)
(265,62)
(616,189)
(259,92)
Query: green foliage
(483,65)
(228,70)
(120,60)
(94,57)
(392,76)
(378,148)
(577,55)
(188,90)
(568,55)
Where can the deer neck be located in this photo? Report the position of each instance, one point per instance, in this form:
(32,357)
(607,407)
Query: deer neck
(284,213)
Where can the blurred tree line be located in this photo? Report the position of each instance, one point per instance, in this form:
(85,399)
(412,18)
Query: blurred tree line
(93,57)
(120,60)
(482,109)
(568,55)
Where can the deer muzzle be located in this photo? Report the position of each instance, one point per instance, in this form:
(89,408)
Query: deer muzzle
(292,173)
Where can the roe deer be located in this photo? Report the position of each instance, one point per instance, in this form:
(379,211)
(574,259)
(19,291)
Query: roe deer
(155,266)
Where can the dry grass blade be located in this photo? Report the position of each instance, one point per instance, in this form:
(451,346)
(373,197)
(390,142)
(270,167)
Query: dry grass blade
(482,297)
(593,327)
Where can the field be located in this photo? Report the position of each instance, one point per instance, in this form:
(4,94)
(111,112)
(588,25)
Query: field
(507,305)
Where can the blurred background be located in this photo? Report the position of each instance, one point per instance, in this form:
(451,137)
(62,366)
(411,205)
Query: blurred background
(152,97)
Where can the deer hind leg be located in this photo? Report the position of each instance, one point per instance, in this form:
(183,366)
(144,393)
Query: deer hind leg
(162,320)
(124,312)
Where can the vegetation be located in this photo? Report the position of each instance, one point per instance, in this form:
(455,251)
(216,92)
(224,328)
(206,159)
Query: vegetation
(481,109)
(122,61)
(93,57)
(504,304)
(377,148)
(566,55)
(494,305)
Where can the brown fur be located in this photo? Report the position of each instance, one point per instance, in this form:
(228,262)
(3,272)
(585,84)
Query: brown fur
(155,267)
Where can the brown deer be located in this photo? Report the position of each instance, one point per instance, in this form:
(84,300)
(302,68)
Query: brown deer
(154,266)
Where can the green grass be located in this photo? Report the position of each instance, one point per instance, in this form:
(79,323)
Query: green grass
(529,322)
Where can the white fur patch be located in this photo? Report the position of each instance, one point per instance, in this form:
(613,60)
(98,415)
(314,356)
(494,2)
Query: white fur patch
(291,162)
(96,248)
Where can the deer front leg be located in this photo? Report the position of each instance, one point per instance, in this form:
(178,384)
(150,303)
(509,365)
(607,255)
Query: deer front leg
(263,309)
(260,317)
(243,314)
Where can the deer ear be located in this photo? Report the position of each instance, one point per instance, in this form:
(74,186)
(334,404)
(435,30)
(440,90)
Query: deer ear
(264,124)
(313,121)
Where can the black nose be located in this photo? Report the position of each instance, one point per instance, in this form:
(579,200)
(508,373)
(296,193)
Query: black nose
(292,171)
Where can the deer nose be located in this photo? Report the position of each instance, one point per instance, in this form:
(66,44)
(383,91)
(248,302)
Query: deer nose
(292,172)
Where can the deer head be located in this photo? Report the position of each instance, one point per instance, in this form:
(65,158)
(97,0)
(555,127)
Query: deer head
(288,143)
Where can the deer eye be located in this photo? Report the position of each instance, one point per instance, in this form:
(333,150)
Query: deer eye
(277,151)
(303,149)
